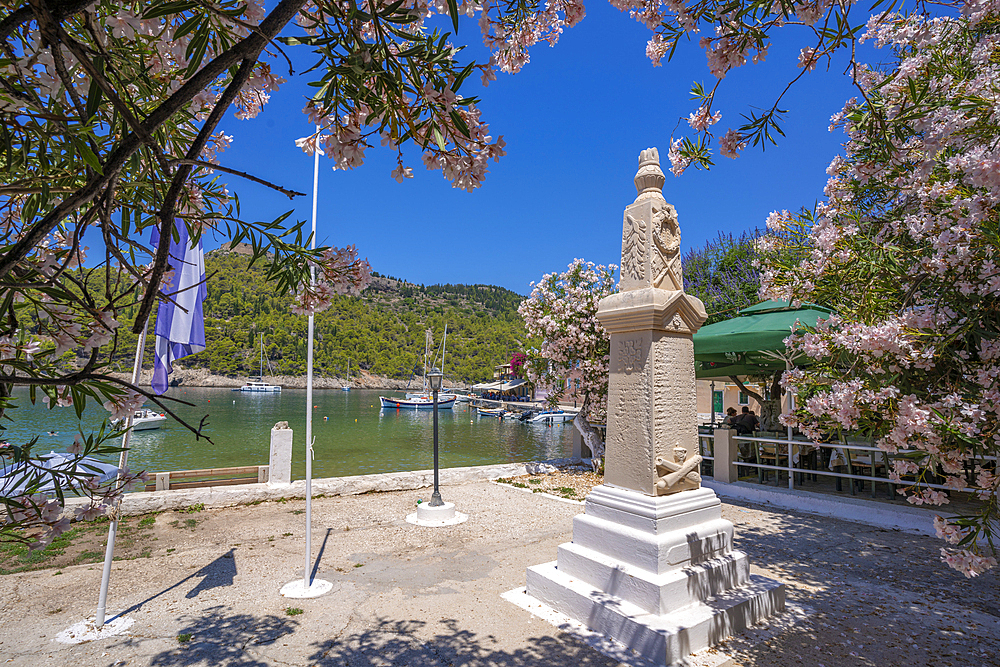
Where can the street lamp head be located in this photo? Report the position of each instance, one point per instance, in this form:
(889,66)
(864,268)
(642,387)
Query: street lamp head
(434,379)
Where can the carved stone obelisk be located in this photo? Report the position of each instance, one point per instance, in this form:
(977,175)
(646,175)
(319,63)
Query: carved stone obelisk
(652,562)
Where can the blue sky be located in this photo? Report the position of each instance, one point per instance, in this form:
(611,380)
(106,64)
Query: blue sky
(574,119)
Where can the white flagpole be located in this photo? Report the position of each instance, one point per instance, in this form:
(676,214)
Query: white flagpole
(309,379)
(307,587)
(109,551)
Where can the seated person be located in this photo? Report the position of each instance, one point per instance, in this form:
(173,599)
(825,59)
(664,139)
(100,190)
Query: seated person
(730,416)
(746,422)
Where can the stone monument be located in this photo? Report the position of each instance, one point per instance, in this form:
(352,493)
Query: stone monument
(652,563)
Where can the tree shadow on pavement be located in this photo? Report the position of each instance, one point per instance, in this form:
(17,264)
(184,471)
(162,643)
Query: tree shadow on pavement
(881,596)
(226,640)
(220,572)
(413,642)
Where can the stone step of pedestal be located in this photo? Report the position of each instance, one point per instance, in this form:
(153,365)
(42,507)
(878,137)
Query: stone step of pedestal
(656,552)
(664,638)
(655,593)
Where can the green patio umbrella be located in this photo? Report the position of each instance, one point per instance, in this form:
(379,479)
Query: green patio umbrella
(746,345)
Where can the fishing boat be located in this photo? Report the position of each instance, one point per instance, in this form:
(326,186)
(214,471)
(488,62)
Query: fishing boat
(492,412)
(422,403)
(142,420)
(552,417)
(257,385)
(442,396)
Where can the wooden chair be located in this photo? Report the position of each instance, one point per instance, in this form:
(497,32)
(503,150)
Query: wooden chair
(770,454)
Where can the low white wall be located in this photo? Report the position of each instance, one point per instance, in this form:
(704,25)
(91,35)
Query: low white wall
(868,512)
(244,494)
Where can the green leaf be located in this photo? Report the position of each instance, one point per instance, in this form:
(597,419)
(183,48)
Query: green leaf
(95,93)
(88,156)
(168,8)
(453,10)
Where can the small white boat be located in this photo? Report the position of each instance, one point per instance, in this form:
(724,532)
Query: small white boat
(142,420)
(553,417)
(492,412)
(415,403)
(259,386)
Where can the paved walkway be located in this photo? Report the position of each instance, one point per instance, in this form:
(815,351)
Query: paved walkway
(405,595)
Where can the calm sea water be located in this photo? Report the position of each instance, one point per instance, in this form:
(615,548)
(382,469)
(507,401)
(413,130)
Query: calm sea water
(353,436)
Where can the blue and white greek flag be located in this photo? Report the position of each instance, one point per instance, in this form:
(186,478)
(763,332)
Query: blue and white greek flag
(180,323)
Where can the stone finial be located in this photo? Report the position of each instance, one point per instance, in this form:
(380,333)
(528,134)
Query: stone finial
(651,237)
(649,179)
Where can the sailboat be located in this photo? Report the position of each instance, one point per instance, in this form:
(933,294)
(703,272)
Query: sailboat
(257,385)
(347,387)
(425,393)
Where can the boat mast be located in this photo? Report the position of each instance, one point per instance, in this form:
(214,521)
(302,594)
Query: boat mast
(427,348)
(444,342)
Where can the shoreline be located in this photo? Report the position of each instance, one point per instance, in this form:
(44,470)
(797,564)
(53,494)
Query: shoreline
(200,377)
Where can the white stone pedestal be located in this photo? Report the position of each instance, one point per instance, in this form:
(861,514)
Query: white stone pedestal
(658,574)
(433,517)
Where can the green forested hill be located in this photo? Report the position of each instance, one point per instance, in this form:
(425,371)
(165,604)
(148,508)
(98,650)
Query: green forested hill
(382,331)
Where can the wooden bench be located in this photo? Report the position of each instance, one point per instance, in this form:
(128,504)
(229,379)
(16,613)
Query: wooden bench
(193,479)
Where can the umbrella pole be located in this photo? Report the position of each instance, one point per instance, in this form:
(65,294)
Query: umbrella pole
(109,551)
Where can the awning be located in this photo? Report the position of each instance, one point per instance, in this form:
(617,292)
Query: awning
(498,386)
(746,345)
(487,386)
(512,384)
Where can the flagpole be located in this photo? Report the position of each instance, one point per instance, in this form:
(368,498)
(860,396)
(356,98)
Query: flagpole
(309,378)
(109,551)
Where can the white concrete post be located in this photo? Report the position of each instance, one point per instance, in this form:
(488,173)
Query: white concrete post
(162,481)
(280,462)
(726,454)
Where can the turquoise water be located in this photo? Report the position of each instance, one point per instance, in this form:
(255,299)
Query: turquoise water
(355,438)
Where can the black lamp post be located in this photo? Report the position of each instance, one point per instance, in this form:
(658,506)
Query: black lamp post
(434,378)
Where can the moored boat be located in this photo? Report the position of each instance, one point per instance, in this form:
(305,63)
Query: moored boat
(143,420)
(421,403)
(416,395)
(552,417)
(259,386)
(492,412)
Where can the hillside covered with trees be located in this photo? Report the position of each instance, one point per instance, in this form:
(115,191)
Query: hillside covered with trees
(381,331)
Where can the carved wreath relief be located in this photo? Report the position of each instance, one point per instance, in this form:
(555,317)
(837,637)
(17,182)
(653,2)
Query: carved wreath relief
(634,247)
(667,239)
(630,354)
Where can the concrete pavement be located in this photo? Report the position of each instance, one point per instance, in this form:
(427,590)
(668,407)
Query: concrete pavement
(406,595)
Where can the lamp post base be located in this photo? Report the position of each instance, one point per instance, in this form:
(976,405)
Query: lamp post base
(432,517)
(298,590)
